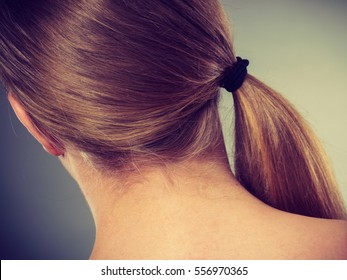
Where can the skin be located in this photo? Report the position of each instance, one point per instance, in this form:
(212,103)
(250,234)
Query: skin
(190,210)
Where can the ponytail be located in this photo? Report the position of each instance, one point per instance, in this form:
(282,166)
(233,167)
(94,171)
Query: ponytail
(277,156)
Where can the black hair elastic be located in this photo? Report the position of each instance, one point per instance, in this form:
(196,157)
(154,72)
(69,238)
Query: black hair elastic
(234,76)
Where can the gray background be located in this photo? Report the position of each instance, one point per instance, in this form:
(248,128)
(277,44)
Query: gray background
(297,47)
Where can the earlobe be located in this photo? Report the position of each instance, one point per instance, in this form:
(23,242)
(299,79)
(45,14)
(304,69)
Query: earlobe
(52,150)
(25,119)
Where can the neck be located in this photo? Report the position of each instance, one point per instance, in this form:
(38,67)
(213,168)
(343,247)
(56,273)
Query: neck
(158,208)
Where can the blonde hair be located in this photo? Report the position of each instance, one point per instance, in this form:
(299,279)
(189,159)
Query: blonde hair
(125,80)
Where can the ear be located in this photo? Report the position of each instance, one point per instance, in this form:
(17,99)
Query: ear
(25,119)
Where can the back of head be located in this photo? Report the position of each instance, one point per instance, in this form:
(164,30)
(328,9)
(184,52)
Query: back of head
(128,80)
(120,80)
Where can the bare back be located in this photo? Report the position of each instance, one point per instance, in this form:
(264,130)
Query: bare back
(239,228)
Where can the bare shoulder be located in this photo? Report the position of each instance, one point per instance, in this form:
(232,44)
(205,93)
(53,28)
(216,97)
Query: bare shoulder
(331,238)
(314,238)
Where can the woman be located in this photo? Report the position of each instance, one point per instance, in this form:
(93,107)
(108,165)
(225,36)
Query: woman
(125,93)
